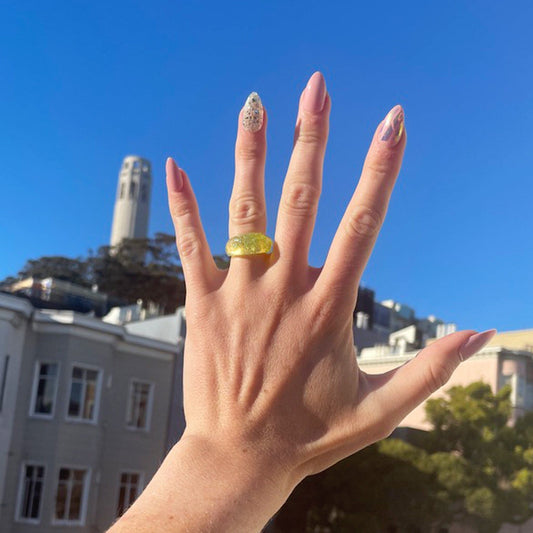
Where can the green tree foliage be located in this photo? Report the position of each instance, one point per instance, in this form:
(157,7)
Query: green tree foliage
(473,468)
(369,492)
(146,269)
(59,267)
(495,483)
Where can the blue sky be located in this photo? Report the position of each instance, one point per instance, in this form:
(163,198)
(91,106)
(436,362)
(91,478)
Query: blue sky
(86,83)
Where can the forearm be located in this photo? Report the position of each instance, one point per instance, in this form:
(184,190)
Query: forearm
(204,488)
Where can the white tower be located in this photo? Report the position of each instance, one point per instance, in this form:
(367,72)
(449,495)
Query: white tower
(132,206)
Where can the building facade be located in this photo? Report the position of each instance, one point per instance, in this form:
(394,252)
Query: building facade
(374,322)
(132,205)
(84,417)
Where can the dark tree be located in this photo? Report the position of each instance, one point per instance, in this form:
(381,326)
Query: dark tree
(137,269)
(472,468)
(59,267)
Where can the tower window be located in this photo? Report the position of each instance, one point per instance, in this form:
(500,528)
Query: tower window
(144,195)
(122,190)
(136,164)
(145,168)
(132,190)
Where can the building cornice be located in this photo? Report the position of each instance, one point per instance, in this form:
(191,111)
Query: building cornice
(10,304)
(489,352)
(71,323)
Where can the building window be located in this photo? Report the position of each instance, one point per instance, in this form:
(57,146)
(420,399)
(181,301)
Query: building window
(136,164)
(139,406)
(84,390)
(71,495)
(128,491)
(144,190)
(44,389)
(122,190)
(132,189)
(30,493)
(3,382)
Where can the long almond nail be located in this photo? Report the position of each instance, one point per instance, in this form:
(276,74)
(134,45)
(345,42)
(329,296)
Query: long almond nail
(474,343)
(392,129)
(315,94)
(252,113)
(174,175)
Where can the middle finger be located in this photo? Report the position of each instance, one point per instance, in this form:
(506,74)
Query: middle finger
(247,210)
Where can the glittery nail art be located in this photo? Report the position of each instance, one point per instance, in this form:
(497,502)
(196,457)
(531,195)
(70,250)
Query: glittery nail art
(252,115)
(393,126)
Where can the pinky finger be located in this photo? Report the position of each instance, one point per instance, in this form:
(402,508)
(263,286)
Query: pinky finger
(198,265)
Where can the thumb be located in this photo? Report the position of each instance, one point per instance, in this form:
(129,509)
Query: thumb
(403,388)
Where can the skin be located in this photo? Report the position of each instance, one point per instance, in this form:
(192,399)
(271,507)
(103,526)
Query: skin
(272,389)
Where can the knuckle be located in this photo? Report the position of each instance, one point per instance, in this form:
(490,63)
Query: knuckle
(250,151)
(380,166)
(180,208)
(325,315)
(437,375)
(363,221)
(246,209)
(310,135)
(300,198)
(188,244)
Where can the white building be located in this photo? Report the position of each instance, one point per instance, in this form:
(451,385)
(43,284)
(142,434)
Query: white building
(132,205)
(88,410)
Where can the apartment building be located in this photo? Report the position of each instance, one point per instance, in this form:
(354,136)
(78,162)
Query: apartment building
(84,417)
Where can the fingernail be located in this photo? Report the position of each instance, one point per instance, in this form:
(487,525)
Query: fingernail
(315,94)
(474,343)
(175,179)
(392,129)
(252,114)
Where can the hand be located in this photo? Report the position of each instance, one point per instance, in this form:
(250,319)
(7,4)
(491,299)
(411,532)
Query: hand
(272,389)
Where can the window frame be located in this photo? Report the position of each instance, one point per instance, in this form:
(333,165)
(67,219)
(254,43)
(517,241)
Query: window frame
(84,499)
(140,488)
(149,407)
(3,380)
(20,491)
(36,372)
(98,393)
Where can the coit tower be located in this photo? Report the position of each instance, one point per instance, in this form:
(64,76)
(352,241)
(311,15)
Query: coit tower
(132,206)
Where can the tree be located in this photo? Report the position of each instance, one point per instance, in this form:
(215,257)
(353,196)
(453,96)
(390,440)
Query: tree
(145,269)
(491,482)
(59,267)
(368,492)
(472,468)
(137,269)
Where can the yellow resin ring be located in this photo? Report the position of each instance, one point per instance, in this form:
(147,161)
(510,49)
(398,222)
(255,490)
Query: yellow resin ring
(249,244)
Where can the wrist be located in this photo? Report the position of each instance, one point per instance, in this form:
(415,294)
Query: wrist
(223,477)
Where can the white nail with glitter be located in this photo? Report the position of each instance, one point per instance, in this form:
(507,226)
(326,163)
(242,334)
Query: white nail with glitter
(252,114)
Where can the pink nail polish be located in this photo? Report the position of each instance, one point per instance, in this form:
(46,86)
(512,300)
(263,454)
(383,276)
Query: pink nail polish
(315,94)
(392,128)
(474,343)
(175,179)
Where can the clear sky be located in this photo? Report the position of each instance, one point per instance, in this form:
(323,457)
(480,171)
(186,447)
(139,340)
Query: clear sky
(86,83)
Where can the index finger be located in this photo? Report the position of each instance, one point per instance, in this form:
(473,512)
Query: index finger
(360,225)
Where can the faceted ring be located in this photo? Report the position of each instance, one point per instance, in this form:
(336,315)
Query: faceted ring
(249,244)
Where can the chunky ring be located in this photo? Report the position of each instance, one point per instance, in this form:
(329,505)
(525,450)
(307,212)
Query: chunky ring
(249,244)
